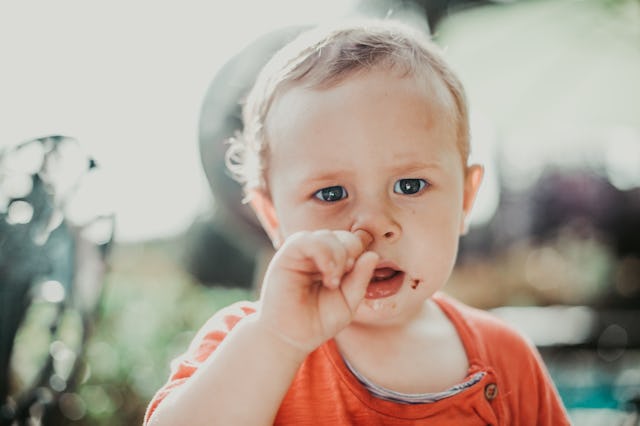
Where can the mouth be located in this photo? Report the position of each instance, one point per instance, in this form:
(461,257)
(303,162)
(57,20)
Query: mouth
(383,274)
(386,281)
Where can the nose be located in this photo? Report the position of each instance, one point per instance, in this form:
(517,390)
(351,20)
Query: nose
(378,219)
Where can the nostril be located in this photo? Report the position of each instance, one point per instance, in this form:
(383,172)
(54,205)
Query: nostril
(388,234)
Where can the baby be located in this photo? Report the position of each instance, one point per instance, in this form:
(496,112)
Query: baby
(354,157)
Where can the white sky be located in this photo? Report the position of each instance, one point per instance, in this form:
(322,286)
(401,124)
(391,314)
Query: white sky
(127,78)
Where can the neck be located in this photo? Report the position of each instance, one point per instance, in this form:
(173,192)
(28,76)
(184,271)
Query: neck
(417,356)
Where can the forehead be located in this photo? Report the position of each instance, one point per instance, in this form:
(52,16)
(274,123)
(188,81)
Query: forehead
(374,121)
(299,113)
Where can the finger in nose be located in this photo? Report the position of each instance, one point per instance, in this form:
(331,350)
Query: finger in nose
(365,237)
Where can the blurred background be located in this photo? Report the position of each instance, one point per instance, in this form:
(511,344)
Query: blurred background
(120,232)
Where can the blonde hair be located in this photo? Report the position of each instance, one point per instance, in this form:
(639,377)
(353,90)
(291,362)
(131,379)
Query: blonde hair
(324,57)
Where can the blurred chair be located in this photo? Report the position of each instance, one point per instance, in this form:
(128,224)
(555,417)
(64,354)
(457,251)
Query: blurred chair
(227,250)
(55,236)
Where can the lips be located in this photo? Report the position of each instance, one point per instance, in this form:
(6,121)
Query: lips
(386,281)
(382,274)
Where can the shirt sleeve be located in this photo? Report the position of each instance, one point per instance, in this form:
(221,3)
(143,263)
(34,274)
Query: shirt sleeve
(202,346)
(551,410)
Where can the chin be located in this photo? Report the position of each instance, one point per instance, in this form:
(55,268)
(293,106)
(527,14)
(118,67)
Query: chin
(384,311)
(375,312)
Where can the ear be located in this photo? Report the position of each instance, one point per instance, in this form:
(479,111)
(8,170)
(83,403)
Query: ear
(266,213)
(472,181)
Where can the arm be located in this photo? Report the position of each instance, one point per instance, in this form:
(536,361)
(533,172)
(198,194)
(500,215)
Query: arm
(242,382)
(312,287)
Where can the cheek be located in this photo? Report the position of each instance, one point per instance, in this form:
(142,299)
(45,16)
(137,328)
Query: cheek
(436,222)
(441,239)
(308,218)
(444,214)
(435,251)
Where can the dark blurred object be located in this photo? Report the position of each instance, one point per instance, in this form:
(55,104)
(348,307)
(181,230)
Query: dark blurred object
(214,258)
(224,251)
(590,204)
(54,246)
(591,207)
(571,238)
(574,217)
(434,11)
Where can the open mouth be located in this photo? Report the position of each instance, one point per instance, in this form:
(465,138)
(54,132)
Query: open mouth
(386,281)
(382,274)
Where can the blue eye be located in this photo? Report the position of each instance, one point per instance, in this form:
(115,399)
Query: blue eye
(409,186)
(331,194)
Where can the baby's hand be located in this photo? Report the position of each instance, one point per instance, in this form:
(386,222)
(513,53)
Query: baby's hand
(314,284)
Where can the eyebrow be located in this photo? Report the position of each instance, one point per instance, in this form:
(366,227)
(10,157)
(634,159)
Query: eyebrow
(334,175)
(412,165)
(337,175)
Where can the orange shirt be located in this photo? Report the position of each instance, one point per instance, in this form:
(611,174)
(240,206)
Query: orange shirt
(515,389)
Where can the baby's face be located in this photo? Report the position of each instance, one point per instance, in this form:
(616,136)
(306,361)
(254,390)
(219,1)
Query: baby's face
(374,153)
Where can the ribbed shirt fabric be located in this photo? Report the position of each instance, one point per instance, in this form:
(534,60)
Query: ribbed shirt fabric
(411,398)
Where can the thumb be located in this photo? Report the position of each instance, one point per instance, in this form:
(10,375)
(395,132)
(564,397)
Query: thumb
(354,285)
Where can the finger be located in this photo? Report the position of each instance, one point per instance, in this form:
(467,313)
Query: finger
(328,256)
(354,285)
(355,244)
(365,237)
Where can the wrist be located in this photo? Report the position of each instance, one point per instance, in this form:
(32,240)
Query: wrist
(280,341)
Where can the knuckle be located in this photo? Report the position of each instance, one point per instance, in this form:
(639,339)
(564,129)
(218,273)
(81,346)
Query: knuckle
(345,237)
(322,233)
(298,237)
(340,233)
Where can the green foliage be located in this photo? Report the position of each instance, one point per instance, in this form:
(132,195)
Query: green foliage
(150,312)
